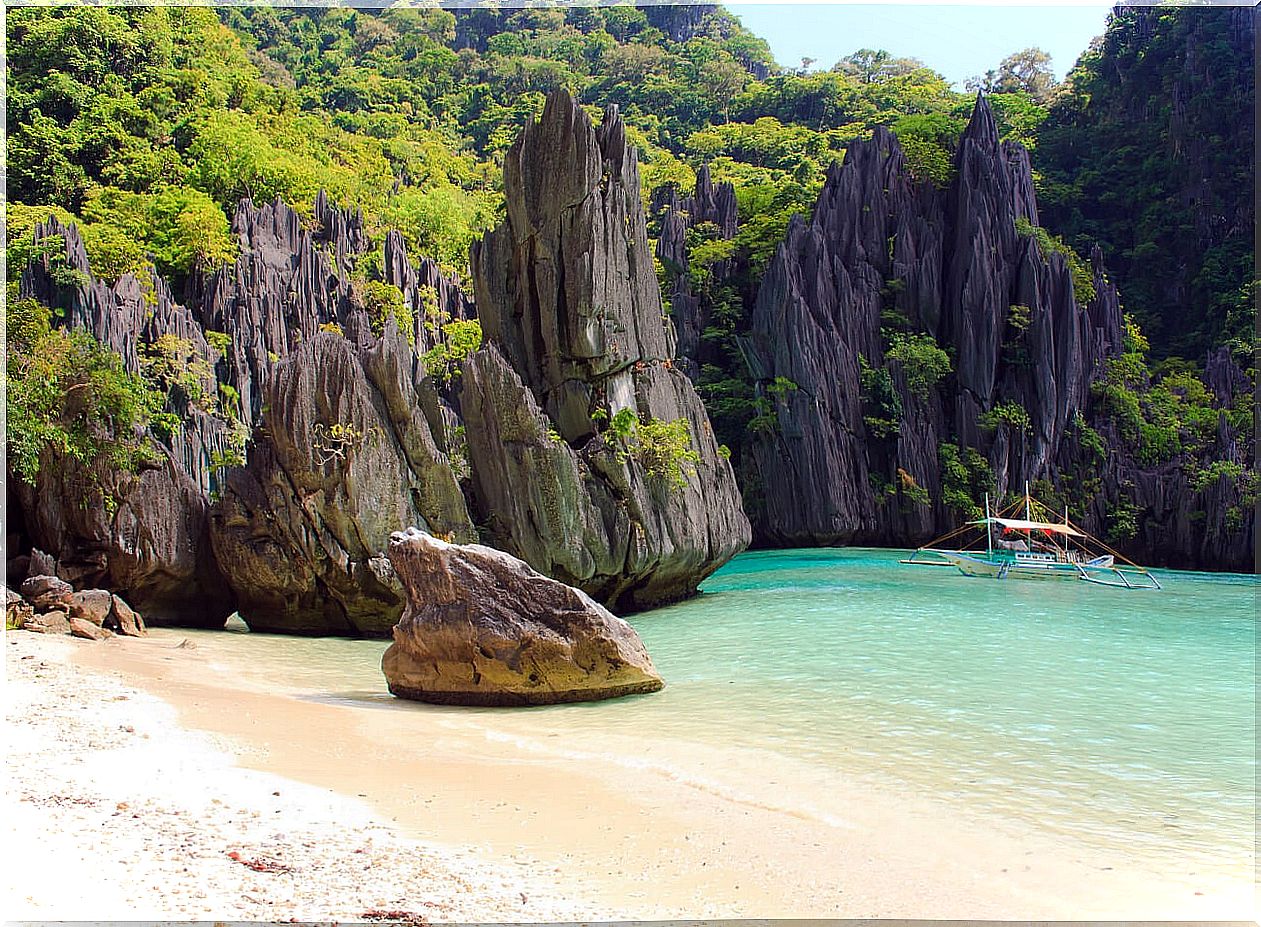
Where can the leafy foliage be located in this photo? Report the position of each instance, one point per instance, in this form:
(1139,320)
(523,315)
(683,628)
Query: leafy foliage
(445,360)
(174,364)
(881,403)
(1122,520)
(923,363)
(1161,416)
(1147,157)
(384,301)
(624,423)
(336,443)
(928,141)
(781,387)
(1207,476)
(148,125)
(1048,244)
(1019,317)
(219,341)
(966,477)
(911,490)
(1028,71)
(69,395)
(664,449)
(1010,414)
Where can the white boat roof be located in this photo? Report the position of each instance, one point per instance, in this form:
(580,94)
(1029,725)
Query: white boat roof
(1021,524)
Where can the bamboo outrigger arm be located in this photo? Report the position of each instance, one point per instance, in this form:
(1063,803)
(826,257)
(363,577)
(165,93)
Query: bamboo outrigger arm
(1060,549)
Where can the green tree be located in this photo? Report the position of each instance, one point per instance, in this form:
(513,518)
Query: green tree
(69,396)
(923,363)
(725,79)
(872,66)
(1028,71)
(384,301)
(446,359)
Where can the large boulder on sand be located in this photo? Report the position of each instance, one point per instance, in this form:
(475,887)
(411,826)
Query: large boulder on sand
(92,605)
(53,621)
(483,628)
(123,620)
(83,627)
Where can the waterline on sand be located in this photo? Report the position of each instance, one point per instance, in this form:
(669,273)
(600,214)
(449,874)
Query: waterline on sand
(833,740)
(1123,720)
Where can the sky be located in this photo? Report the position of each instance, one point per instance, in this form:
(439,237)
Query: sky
(956,41)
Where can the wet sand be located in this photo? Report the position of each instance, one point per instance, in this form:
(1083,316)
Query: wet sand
(590,838)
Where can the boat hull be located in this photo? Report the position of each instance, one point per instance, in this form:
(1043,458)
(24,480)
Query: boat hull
(972,565)
(1101,571)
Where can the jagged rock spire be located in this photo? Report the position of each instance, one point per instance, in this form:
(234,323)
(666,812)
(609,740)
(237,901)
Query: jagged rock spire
(569,301)
(882,251)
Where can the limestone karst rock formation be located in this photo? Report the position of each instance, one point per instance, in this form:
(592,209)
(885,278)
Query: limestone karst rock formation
(343,455)
(348,445)
(483,628)
(712,205)
(571,310)
(349,438)
(949,263)
(348,435)
(882,253)
(290,279)
(152,544)
(1185,522)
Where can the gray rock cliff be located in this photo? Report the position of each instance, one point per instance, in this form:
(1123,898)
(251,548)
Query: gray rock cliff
(343,455)
(348,441)
(711,206)
(571,310)
(152,544)
(297,543)
(884,254)
(855,452)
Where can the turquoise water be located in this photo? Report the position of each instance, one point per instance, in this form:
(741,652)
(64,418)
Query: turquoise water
(1117,716)
(1124,719)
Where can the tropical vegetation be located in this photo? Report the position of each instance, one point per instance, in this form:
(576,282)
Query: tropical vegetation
(145,126)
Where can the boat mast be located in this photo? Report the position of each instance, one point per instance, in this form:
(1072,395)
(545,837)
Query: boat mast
(989,534)
(1028,504)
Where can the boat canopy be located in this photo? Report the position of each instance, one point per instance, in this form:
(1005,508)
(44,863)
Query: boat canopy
(1020,524)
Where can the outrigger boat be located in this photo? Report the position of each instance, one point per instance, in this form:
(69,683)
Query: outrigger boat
(1034,548)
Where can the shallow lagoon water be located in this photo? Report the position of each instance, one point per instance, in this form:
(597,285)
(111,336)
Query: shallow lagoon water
(1123,719)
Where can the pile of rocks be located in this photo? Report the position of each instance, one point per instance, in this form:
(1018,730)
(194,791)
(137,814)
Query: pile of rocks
(49,605)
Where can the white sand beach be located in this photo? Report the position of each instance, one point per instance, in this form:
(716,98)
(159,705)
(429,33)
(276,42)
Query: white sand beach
(142,786)
(116,812)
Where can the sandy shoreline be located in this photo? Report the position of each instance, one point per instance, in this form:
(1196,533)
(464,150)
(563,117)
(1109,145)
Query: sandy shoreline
(454,820)
(121,814)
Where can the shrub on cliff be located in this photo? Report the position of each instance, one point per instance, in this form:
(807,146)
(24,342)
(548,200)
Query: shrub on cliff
(924,364)
(1161,412)
(70,396)
(460,339)
(663,449)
